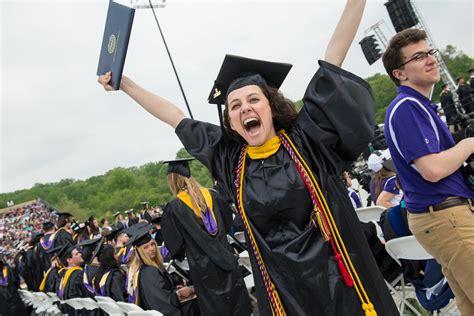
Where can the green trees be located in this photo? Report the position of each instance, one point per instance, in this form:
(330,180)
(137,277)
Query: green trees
(117,190)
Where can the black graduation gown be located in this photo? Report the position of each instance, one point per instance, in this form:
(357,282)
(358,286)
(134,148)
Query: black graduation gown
(33,269)
(214,271)
(334,126)
(115,286)
(447,104)
(52,281)
(10,301)
(156,292)
(74,288)
(90,272)
(62,237)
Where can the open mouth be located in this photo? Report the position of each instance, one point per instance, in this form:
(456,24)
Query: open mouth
(251,125)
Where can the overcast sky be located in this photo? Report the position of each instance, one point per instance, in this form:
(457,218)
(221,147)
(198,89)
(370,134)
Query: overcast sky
(57,122)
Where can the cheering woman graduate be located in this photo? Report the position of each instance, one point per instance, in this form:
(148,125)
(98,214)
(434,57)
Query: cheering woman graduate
(281,168)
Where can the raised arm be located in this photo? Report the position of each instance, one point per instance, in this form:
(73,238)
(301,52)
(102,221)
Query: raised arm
(159,107)
(345,32)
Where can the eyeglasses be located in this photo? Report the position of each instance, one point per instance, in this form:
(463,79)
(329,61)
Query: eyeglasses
(420,57)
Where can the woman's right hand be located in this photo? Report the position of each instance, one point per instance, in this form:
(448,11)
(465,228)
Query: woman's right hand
(104,81)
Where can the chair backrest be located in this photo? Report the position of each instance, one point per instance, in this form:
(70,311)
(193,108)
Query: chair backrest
(99,298)
(144,313)
(240,237)
(406,248)
(128,307)
(370,213)
(183,264)
(111,308)
(82,303)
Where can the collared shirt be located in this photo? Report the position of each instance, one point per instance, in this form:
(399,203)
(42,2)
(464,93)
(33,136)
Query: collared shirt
(413,130)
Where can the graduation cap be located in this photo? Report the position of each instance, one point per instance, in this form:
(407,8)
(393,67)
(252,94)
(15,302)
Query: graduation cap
(116,214)
(237,72)
(144,203)
(116,231)
(56,250)
(36,236)
(133,230)
(152,219)
(63,215)
(129,211)
(141,237)
(47,225)
(179,166)
(470,70)
(90,242)
(65,253)
(98,248)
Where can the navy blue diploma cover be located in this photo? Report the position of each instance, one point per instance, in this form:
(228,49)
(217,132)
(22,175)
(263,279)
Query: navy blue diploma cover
(118,27)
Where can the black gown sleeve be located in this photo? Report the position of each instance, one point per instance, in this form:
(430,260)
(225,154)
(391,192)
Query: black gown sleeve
(172,236)
(155,293)
(338,111)
(226,211)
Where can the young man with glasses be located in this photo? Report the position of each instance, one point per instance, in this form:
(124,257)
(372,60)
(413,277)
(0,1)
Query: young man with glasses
(427,160)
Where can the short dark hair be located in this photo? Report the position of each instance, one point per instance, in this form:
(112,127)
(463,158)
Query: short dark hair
(283,111)
(392,57)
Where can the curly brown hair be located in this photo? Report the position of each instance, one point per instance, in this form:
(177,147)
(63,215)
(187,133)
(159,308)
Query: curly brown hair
(392,57)
(283,112)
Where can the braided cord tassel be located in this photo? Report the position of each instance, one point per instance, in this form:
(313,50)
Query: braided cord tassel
(345,265)
(275,301)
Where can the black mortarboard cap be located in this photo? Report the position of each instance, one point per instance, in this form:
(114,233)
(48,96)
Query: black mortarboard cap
(90,242)
(133,230)
(116,230)
(144,203)
(142,236)
(98,248)
(179,166)
(237,67)
(35,236)
(470,70)
(48,225)
(116,214)
(63,215)
(129,211)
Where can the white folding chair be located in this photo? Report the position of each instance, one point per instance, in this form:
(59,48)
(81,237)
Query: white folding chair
(128,307)
(99,298)
(410,249)
(79,303)
(145,313)
(244,260)
(111,308)
(369,213)
(183,264)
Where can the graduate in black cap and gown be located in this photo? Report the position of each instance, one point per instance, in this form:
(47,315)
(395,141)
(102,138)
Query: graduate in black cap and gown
(91,263)
(33,263)
(10,301)
(46,244)
(109,279)
(196,224)
(63,235)
(281,168)
(51,278)
(152,286)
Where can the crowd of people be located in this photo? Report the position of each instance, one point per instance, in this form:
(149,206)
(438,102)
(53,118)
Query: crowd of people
(281,171)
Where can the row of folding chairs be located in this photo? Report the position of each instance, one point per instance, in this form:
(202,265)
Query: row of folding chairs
(45,304)
(407,248)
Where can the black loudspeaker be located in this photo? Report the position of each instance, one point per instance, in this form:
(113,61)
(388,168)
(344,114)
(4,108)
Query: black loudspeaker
(370,48)
(402,14)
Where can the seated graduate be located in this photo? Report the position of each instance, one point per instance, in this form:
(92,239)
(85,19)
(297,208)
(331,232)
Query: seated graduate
(109,279)
(63,236)
(51,278)
(10,301)
(196,224)
(91,263)
(152,286)
(71,284)
(119,237)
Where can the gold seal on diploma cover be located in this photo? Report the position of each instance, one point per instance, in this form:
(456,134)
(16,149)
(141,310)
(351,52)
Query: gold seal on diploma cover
(112,44)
